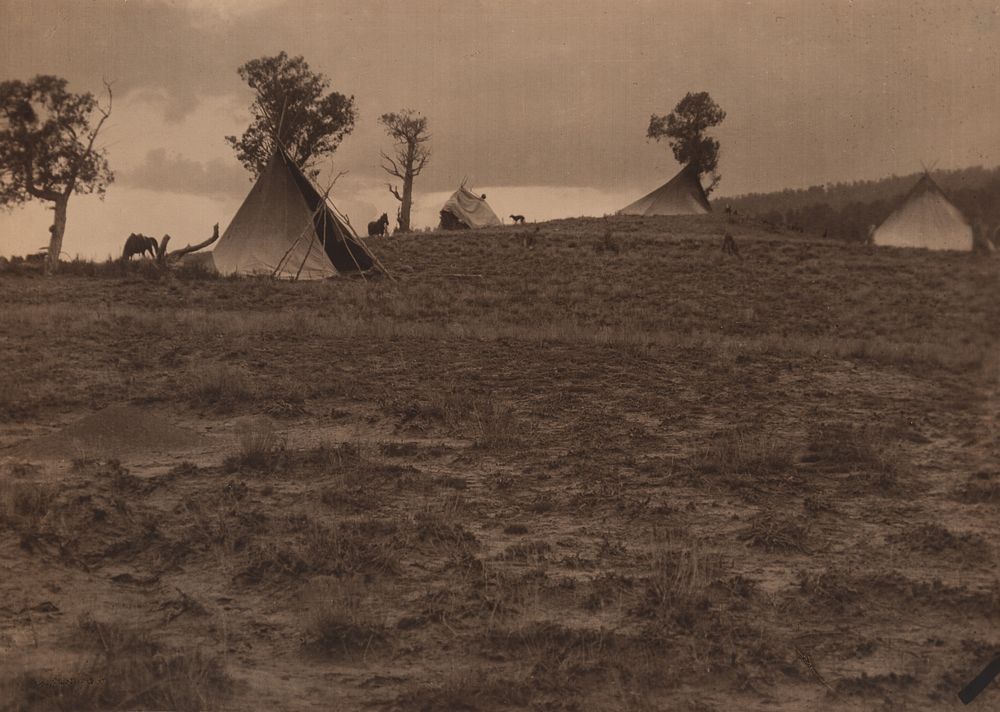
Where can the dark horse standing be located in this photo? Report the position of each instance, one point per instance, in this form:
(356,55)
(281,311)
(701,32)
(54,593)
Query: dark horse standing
(139,245)
(379,227)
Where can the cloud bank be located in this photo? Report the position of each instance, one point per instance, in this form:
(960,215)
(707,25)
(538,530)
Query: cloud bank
(177,174)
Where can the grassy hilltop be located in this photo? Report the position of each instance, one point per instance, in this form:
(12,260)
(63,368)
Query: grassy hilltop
(585,473)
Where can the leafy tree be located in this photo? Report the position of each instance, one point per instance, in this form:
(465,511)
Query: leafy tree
(292,108)
(685,127)
(408,131)
(47,149)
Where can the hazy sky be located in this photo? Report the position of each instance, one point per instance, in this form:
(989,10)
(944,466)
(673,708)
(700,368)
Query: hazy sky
(542,105)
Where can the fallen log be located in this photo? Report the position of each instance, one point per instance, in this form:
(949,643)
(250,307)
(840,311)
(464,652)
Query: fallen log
(161,252)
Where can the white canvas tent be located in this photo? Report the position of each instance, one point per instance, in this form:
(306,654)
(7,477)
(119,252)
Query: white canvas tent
(465,209)
(926,218)
(286,228)
(681,195)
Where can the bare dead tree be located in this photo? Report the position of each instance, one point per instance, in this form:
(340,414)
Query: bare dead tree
(408,131)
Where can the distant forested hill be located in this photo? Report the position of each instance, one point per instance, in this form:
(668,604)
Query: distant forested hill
(846,210)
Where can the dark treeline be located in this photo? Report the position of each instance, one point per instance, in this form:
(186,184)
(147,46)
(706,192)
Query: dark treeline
(846,210)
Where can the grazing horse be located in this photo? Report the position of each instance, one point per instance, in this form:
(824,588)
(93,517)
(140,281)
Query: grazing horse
(517,219)
(139,245)
(379,227)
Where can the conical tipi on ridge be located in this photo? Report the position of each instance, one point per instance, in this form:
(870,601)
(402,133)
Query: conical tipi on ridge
(927,219)
(285,228)
(681,195)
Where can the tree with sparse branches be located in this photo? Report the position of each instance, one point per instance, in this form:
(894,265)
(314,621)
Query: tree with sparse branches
(47,149)
(408,130)
(684,128)
(291,109)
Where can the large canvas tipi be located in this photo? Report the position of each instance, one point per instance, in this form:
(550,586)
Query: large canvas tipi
(285,228)
(927,219)
(681,195)
(464,209)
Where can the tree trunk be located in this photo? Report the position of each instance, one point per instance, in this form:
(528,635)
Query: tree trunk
(407,202)
(57,231)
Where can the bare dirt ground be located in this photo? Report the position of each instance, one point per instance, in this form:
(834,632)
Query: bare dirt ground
(578,474)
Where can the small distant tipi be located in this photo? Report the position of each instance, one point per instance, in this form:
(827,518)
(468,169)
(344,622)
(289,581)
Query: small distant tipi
(465,210)
(681,195)
(926,218)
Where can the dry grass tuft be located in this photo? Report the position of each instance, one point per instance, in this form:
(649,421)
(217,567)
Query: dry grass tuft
(127,670)
(221,388)
(470,689)
(933,538)
(978,490)
(16,400)
(774,533)
(493,425)
(677,586)
(260,448)
(306,546)
(340,626)
(741,452)
(442,525)
(865,450)
(24,504)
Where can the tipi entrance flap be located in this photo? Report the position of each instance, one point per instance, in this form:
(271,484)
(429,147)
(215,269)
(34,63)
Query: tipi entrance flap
(342,248)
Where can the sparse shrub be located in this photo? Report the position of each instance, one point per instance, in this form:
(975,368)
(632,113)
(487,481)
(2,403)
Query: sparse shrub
(220,387)
(815,505)
(559,656)
(542,503)
(121,480)
(194,272)
(493,424)
(526,551)
(340,626)
(260,448)
(16,401)
(440,526)
(79,465)
(284,401)
(741,452)
(21,470)
(222,522)
(470,689)
(184,468)
(606,588)
(885,686)
(307,546)
(457,483)
(489,422)
(932,538)
(501,480)
(833,589)
(680,576)
(864,449)
(978,491)
(607,243)
(774,533)
(24,504)
(127,670)
(405,449)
